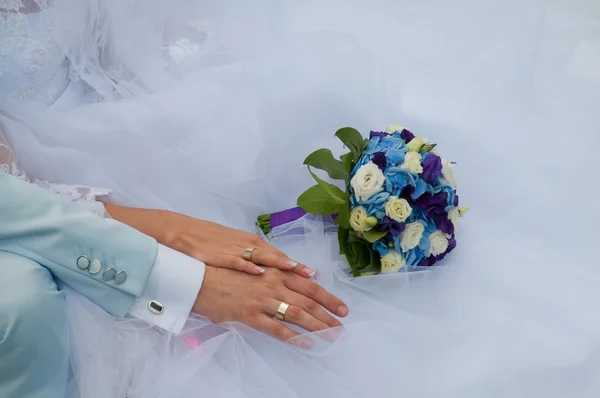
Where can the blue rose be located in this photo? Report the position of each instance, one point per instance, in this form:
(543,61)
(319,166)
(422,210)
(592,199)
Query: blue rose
(414,256)
(373,146)
(390,142)
(375,205)
(420,189)
(381,247)
(396,156)
(397,179)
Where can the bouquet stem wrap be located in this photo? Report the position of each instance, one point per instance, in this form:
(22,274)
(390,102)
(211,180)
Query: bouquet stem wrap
(267,222)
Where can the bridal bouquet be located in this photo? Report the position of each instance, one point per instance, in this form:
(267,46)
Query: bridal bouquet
(399,209)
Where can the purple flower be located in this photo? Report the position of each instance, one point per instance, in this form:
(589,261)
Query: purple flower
(379,134)
(455,203)
(406,135)
(407,192)
(432,204)
(427,262)
(380,160)
(432,168)
(431,260)
(443,223)
(392,226)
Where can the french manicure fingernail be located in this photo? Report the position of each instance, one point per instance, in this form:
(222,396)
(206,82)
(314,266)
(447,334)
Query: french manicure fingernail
(309,272)
(293,264)
(261,270)
(342,310)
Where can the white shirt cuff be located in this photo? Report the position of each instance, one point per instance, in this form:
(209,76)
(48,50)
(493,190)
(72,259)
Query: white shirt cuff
(174,283)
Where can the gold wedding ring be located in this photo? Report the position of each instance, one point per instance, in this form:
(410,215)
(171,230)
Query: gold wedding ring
(248,253)
(283,307)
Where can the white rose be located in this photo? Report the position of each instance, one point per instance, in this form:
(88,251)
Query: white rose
(360,220)
(392,262)
(415,144)
(439,243)
(182,49)
(454,215)
(367,181)
(411,236)
(412,162)
(448,173)
(392,128)
(397,209)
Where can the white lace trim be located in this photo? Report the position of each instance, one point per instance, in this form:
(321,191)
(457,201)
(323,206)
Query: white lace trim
(90,198)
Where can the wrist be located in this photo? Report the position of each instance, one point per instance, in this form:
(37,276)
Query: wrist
(200,305)
(159,224)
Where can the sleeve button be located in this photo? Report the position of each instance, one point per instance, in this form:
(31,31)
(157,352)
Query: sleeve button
(95,267)
(109,274)
(83,262)
(120,278)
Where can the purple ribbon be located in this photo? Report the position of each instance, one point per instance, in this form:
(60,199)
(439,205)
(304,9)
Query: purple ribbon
(286,216)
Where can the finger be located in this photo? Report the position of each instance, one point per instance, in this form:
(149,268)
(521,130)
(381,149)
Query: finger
(235,263)
(271,257)
(278,259)
(317,293)
(280,331)
(311,307)
(296,315)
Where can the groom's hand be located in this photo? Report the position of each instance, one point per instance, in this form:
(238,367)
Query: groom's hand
(232,296)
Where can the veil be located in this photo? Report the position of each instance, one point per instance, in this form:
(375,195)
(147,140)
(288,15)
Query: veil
(124,49)
(209,108)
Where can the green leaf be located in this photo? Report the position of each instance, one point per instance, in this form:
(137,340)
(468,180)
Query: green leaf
(373,236)
(463,210)
(351,255)
(337,195)
(323,159)
(355,238)
(374,266)
(343,235)
(363,256)
(351,138)
(316,200)
(347,163)
(343,218)
(427,147)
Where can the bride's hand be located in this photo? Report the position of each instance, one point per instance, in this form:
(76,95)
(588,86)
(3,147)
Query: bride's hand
(225,247)
(229,296)
(208,242)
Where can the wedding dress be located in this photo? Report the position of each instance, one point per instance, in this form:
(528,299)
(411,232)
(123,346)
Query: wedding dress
(209,108)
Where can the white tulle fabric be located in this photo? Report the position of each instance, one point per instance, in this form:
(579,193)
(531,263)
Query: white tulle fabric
(90,198)
(210,108)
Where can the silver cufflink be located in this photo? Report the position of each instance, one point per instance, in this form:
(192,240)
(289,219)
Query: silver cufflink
(83,262)
(156,307)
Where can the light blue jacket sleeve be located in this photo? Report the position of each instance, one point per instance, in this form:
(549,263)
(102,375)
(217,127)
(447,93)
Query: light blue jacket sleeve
(60,235)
